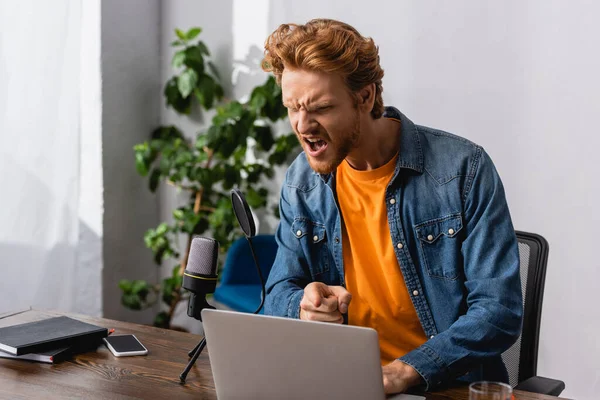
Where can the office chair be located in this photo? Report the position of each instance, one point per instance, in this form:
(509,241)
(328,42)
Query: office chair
(521,358)
(240,287)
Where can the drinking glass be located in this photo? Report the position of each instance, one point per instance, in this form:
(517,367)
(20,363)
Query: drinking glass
(489,391)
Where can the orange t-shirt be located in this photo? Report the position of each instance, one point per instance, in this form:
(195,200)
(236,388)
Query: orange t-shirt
(380,299)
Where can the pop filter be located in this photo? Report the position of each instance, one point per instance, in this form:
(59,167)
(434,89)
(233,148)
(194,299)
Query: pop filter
(242,213)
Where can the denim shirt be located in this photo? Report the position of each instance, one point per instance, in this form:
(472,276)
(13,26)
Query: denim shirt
(453,238)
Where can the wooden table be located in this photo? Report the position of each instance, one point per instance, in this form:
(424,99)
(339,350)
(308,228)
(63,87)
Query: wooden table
(100,375)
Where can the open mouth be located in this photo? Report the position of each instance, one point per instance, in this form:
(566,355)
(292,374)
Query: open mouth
(316,146)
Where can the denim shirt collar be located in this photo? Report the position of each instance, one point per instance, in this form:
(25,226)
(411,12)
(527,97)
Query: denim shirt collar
(411,153)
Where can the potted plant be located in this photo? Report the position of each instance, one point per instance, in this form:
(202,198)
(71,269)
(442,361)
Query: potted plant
(205,167)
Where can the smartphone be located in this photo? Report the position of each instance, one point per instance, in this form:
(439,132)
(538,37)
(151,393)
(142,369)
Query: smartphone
(125,345)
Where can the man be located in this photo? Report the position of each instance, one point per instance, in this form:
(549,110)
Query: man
(388,224)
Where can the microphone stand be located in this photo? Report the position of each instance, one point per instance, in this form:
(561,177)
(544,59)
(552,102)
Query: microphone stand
(195,352)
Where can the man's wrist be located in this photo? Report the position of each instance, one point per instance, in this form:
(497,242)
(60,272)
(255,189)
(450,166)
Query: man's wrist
(413,378)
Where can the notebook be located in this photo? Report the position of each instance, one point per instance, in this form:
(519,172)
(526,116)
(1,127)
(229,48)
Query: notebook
(48,334)
(50,356)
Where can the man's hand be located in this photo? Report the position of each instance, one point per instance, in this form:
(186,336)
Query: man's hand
(397,377)
(324,303)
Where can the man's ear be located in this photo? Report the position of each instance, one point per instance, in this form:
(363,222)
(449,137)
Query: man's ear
(365,97)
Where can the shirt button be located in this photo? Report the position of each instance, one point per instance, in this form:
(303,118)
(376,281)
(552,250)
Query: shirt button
(415,292)
(451,231)
(298,233)
(337,239)
(393,201)
(430,237)
(431,337)
(315,238)
(400,245)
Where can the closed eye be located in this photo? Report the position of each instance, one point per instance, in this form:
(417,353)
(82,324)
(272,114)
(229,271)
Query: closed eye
(322,108)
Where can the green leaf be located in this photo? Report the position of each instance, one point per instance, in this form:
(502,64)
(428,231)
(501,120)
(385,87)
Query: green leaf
(178,214)
(200,142)
(180,34)
(192,33)
(254,198)
(125,285)
(162,320)
(201,226)
(174,98)
(176,271)
(183,157)
(193,59)
(178,59)
(154,179)
(231,177)
(166,133)
(162,229)
(169,289)
(141,164)
(264,137)
(177,43)
(235,110)
(187,81)
(219,92)
(206,91)
(203,49)
(258,99)
(131,301)
(139,286)
(213,70)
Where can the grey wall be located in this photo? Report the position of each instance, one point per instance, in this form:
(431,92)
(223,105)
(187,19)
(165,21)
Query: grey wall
(131,98)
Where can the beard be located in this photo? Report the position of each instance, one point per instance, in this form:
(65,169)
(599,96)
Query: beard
(347,142)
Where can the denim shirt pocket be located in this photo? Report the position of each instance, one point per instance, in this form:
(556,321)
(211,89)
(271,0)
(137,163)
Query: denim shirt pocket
(440,246)
(312,237)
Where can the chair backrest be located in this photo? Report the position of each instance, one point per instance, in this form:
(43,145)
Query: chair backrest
(521,358)
(239,266)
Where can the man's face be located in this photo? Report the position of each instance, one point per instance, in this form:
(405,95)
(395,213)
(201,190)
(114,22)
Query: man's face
(323,114)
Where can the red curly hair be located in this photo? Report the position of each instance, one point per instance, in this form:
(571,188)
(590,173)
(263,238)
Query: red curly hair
(328,46)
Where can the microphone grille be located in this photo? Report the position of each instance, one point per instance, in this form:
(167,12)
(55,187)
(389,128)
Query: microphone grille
(203,256)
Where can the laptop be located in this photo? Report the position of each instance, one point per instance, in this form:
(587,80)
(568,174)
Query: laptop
(265,357)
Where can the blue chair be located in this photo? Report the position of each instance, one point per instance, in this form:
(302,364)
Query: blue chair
(240,287)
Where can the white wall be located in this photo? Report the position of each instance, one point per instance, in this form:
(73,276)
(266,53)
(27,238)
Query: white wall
(519,78)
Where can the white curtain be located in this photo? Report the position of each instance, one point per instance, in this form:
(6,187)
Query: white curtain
(39,154)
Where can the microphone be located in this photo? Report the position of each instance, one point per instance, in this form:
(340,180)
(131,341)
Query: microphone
(200,275)
(200,279)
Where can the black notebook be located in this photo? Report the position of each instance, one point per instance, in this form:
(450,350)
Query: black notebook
(48,334)
(50,356)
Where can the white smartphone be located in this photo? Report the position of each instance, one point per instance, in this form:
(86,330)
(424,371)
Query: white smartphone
(125,345)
